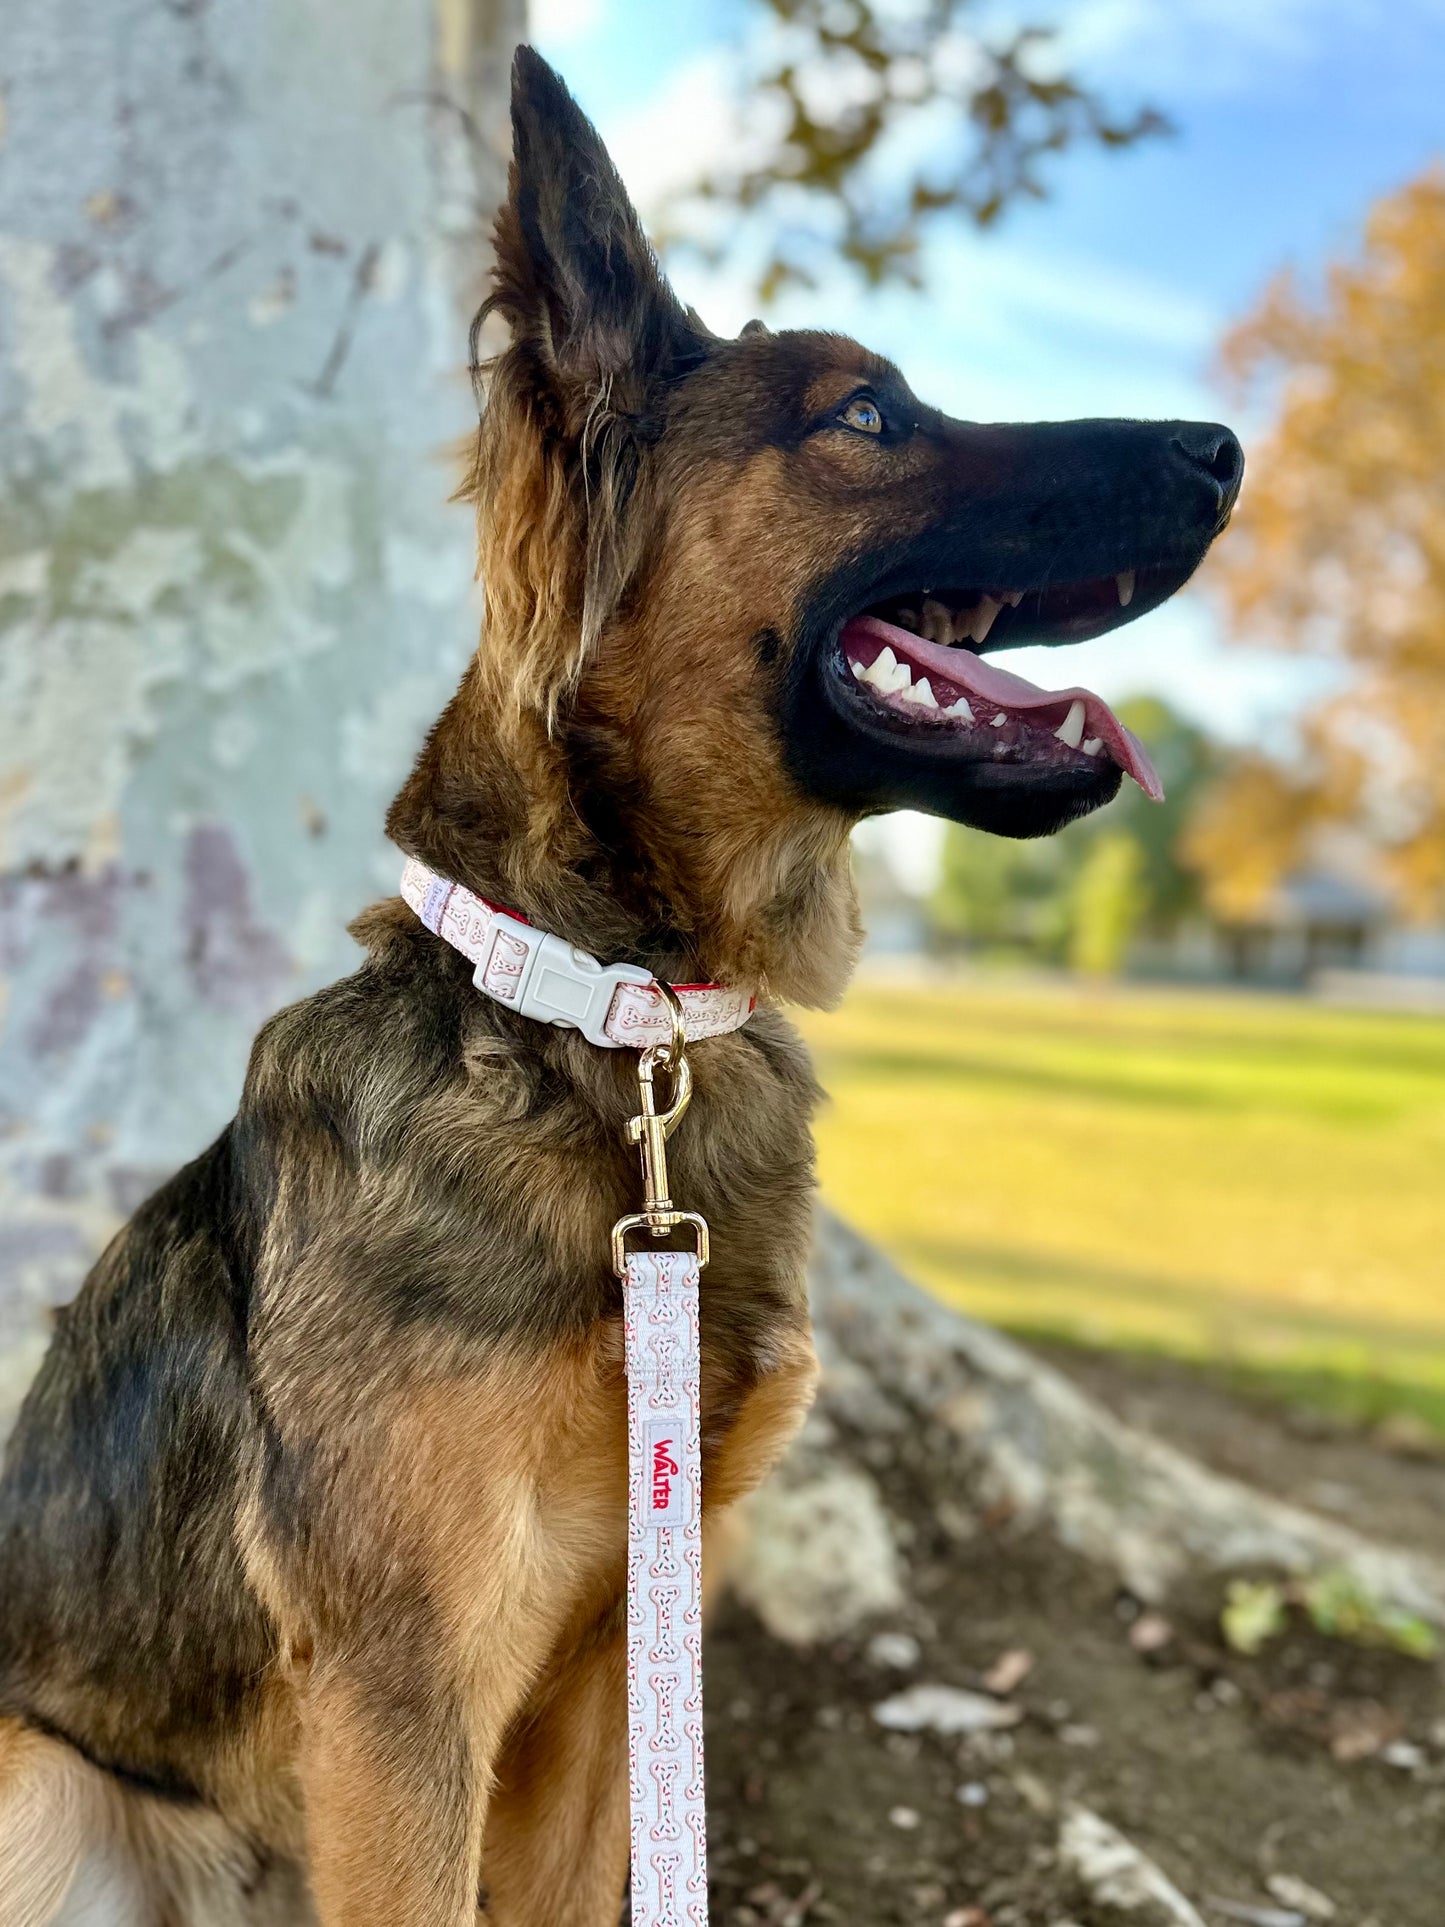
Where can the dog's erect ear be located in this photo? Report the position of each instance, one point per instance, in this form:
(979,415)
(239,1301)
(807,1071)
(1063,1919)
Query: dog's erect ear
(575,274)
(572,404)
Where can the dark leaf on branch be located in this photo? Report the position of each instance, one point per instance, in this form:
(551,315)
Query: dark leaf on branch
(838,83)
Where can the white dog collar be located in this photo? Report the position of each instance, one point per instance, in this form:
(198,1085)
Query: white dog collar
(616,1005)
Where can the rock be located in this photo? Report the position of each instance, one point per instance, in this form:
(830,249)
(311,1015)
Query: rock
(945,1709)
(897,1650)
(1077,1734)
(905,1818)
(1249,1916)
(973,1793)
(1291,1891)
(1116,1874)
(817,1556)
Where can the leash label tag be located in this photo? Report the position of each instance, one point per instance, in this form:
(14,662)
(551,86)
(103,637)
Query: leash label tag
(667,1491)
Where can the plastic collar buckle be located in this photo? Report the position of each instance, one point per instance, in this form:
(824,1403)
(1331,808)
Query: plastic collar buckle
(563,986)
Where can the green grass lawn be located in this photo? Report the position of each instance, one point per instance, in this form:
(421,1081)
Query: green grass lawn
(1252,1181)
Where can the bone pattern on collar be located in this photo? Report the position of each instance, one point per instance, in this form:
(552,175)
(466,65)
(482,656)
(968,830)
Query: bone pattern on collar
(615,1005)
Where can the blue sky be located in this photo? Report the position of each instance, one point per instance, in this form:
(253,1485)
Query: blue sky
(1110,297)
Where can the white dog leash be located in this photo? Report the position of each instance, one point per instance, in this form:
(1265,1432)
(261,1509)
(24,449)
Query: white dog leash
(615,1006)
(664,1592)
(664,1520)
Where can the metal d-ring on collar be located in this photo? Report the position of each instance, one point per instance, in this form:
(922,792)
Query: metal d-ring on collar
(650,1131)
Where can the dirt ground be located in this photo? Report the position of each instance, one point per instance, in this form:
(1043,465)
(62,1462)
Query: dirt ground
(1318,1763)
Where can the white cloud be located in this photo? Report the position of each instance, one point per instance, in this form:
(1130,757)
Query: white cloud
(699,120)
(556,24)
(687,127)
(681,129)
(1074,290)
(1187,48)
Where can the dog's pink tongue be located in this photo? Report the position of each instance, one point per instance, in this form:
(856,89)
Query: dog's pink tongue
(1000,687)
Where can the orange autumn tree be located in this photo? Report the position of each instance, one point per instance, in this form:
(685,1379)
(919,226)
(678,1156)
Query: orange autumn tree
(1339,548)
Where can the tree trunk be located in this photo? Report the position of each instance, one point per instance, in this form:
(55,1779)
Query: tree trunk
(240,242)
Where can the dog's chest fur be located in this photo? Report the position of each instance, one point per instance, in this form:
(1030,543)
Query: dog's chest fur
(455,1294)
(382,1309)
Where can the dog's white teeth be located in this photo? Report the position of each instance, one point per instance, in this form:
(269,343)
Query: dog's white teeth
(886,673)
(983,618)
(960,708)
(1014,598)
(1071,729)
(1000,720)
(1092,745)
(907,619)
(889,675)
(921,692)
(937,623)
(1124,582)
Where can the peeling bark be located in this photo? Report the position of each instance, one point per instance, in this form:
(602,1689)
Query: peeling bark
(240,245)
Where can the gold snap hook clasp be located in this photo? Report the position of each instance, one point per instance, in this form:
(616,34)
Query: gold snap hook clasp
(650,1130)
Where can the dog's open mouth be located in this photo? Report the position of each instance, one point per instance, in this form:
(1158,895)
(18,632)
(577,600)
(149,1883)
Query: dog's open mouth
(915,666)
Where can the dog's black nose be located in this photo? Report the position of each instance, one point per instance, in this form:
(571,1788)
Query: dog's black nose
(1216,454)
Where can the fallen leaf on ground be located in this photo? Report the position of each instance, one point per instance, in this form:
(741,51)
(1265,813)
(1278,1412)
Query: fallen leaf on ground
(1151,1633)
(1360,1729)
(1009,1671)
(1255,1612)
(1032,1791)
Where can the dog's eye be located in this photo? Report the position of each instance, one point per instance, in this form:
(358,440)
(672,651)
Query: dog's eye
(864,414)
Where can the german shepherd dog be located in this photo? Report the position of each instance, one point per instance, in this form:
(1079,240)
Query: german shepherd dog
(312,1532)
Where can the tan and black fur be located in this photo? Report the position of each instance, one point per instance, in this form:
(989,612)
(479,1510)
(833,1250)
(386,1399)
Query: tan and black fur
(312,1531)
